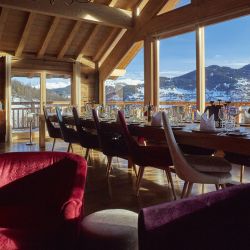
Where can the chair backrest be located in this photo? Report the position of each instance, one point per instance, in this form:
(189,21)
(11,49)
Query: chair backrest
(131,143)
(182,167)
(50,126)
(63,127)
(77,120)
(110,137)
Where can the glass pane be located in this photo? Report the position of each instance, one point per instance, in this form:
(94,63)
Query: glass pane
(58,90)
(25,102)
(128,89)
(178,69)
(228,61)
(182,3)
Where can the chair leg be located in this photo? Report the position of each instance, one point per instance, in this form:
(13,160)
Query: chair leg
(217,186)
(189,190)
(87,154)
(139,178)
(168,173)
(135,170)
(202,188)
(184,190)
(69,147)
(54,142)
(242,169)
(109,165)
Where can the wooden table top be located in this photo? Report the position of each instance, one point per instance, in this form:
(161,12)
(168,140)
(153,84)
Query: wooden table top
(185,136)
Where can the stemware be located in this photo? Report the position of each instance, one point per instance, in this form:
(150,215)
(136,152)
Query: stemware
(234,112)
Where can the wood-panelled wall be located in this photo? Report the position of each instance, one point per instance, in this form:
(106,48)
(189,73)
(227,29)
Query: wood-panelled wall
(2,99)
(89,88)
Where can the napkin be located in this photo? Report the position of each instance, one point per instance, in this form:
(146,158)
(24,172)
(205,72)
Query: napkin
(207,124)
(156,119)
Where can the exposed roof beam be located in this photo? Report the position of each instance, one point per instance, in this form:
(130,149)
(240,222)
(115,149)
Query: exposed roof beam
(89,12)
(113,34)
(141,5)
(88,42)
(88,62)
(130,55)
(49,35)
(112,3)
(130,37)
(170,5)
(117,73)
(70,38)
(112,46)
(25,34)
(3,19)
(199,13)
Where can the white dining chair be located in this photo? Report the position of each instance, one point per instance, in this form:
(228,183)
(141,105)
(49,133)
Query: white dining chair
(196,168)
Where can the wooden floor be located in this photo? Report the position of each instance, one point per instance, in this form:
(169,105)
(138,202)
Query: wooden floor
(118,191)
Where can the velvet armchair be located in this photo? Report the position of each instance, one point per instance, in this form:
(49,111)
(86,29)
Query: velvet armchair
(216,220)
(41,200)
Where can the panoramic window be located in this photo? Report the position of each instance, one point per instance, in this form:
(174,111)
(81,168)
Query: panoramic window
(58,89)
(228,61)
(130,87)
(182,3)
(178,69)
(25,101)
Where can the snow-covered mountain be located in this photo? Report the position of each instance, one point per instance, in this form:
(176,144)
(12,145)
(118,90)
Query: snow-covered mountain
(221,83)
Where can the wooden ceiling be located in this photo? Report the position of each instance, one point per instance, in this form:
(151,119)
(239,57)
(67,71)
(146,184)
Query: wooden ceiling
(27,33)
(104,34)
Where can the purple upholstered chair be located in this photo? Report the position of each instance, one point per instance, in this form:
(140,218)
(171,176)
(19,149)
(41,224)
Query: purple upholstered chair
(216,220)
(153,155)
(111,141)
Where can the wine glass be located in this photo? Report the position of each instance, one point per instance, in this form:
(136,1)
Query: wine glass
(234,112)
(222,117)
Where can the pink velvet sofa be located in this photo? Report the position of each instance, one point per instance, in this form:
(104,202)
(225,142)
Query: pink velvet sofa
(41,200)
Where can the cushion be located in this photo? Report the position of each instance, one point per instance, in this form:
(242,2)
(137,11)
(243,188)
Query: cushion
(209,163)
(113,229)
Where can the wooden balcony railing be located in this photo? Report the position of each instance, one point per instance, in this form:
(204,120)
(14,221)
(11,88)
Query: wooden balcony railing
(20,111)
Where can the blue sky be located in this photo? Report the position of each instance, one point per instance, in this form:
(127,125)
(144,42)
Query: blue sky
(226,44)
(51,83)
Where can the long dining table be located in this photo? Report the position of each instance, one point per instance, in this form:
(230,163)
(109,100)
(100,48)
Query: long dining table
(188,135)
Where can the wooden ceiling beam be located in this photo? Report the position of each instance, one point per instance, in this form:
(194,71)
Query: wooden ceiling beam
(3,19)
(199,13)
(88,42)
(117,73)
(88,62)
(112,46)
(130,55)
(48,37)
(112,3)
(25,34)
(170,5)
(70,38)
(130,37)
(108,42)
(89,12)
